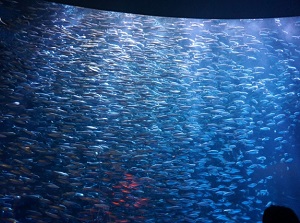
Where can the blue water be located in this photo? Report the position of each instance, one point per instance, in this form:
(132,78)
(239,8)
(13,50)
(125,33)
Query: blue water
(114,117)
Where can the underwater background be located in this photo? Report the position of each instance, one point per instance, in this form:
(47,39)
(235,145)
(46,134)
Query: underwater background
(115,117)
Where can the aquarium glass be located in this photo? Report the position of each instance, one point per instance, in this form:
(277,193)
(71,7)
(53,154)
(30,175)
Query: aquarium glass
(116,117)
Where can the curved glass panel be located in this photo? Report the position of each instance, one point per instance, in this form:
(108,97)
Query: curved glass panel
(114,117)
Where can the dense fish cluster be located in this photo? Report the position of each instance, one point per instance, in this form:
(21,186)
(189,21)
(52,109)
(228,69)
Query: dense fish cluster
(112,117)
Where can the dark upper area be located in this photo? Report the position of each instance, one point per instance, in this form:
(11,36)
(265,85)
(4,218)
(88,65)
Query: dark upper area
(212,9)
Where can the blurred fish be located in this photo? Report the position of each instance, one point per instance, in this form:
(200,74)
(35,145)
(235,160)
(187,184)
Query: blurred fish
(111,117)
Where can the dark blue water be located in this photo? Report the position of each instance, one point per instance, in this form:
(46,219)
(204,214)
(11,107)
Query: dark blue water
(111,117)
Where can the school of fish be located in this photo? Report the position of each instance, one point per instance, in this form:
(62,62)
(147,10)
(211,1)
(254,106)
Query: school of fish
(115,117)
